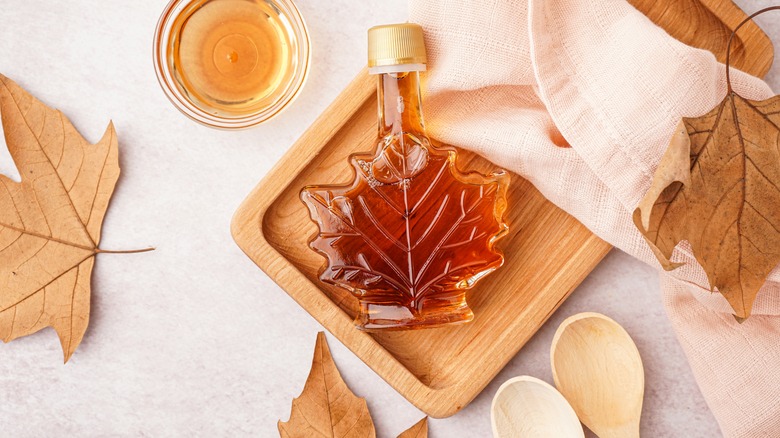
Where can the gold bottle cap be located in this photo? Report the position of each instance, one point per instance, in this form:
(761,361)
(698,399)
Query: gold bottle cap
(396,44)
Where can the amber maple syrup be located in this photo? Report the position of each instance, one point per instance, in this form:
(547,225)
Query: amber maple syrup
(411,234)
(232,55)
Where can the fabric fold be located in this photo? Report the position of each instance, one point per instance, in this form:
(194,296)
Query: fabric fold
(581,98)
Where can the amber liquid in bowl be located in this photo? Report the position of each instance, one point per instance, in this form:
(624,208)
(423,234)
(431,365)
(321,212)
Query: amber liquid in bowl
(235,58)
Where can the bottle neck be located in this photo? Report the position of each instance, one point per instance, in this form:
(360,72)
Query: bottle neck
(400,104)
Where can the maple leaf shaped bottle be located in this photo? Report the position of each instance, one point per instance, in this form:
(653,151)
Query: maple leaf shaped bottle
(411,233)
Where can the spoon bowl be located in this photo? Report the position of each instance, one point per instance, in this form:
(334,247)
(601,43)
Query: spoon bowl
(528,407)
(597,367)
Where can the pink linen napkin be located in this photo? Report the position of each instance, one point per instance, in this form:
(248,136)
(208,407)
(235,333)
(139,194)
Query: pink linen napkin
(516,80)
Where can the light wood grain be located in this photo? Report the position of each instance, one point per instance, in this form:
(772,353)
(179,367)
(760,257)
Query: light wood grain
(597,367)
(708,24)
(530,408)
(548,253)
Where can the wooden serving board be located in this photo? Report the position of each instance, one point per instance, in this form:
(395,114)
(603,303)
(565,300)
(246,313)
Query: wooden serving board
(548,253)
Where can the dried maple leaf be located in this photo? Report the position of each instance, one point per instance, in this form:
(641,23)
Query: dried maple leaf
(718,187)
(419,430)
(327,407)
(50,222)
(410,229)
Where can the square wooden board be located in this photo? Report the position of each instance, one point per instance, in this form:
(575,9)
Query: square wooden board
(548,253)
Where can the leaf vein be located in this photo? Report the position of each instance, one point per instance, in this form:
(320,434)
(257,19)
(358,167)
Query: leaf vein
(379,226)
(434,222)
(446,237)
(42,236)
(47,284)
(29,128)
(365,238)
(431,186)
(369,271)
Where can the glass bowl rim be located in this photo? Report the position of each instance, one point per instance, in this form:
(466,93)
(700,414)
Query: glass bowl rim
(193,111)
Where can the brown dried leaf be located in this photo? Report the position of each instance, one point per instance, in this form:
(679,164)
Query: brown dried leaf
(718,187)
(327,407)
(419,430)
(50,222)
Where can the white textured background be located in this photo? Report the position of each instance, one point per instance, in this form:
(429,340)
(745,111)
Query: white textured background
(193,339)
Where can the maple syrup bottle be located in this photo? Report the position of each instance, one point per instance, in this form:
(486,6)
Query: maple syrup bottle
(411,233)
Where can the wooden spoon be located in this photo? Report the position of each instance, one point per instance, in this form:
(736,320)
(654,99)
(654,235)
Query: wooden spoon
(528,407)
(597,367)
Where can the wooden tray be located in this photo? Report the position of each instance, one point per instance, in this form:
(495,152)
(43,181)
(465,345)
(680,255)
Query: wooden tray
(548,252)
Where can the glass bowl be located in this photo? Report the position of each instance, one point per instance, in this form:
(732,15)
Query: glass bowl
(231,64)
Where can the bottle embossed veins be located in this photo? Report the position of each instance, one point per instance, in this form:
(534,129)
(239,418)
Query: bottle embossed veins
(411,234)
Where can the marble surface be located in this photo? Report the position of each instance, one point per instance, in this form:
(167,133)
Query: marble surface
(193,339)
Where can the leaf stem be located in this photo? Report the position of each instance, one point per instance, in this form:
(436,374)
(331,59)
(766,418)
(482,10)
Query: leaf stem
(131,251)
(728,46)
